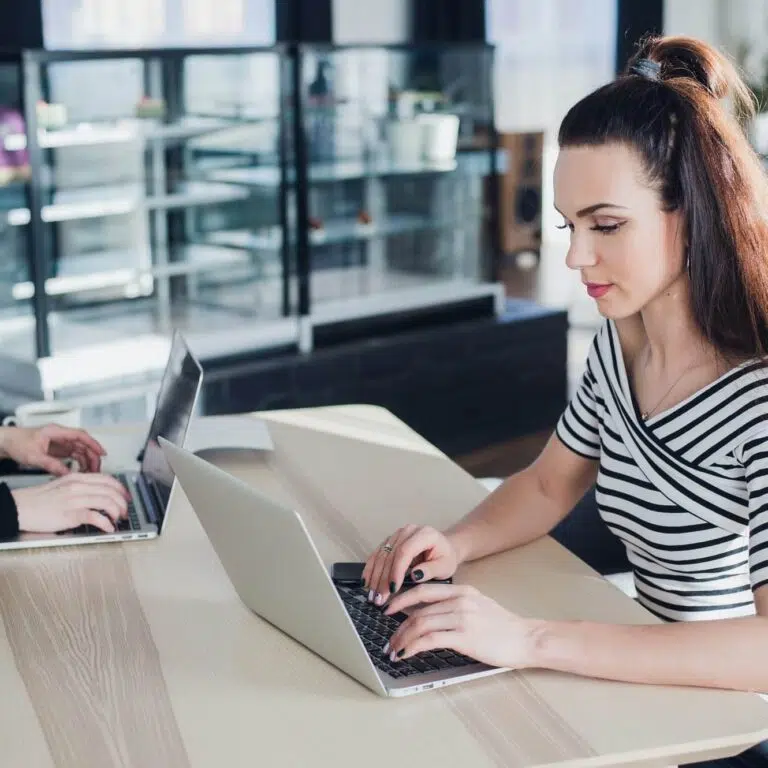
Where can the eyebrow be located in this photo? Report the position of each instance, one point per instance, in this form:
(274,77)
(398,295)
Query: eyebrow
(592,209)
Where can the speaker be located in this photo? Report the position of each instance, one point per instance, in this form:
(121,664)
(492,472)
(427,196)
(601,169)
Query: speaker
(520,191)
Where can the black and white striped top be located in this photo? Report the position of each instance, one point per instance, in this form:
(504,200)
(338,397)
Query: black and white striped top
(686,490)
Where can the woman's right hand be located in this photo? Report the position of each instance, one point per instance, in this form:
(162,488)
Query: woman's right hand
(76,499)
(424,551)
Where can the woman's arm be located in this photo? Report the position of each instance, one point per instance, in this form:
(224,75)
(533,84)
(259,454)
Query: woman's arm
(723,653)
(527,505)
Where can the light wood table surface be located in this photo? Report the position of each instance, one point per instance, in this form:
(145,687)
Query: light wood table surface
(141,654)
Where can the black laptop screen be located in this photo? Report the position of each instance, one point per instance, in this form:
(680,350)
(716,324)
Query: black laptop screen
(173,413)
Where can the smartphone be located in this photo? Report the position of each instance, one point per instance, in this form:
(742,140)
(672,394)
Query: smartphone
(351,574)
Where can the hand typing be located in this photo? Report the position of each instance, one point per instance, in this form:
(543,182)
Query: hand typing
(460,618)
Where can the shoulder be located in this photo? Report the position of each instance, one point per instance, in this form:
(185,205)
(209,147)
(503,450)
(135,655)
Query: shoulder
(748,389)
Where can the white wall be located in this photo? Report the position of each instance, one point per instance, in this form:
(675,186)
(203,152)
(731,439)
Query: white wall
(727,24)
(371,21)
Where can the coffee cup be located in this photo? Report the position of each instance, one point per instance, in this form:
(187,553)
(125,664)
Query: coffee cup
(38,414)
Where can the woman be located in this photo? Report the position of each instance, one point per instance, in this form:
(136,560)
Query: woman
(73,498)
(666,204)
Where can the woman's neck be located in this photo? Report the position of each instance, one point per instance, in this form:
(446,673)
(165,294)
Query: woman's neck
(671,337)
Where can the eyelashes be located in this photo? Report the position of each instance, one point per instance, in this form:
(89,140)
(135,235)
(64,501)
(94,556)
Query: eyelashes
(604,229)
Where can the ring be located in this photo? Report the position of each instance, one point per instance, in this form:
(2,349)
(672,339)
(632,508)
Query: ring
(386,547)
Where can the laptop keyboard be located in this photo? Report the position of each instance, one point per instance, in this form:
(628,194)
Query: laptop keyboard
(375,629)
(130,523)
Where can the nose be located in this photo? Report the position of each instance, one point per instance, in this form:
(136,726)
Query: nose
(580,253)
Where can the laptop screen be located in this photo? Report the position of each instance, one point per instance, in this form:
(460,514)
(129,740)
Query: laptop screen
(173,413)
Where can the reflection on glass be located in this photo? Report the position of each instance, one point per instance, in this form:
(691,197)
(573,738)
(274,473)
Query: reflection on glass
(398,147)
(17,330)
(144,230)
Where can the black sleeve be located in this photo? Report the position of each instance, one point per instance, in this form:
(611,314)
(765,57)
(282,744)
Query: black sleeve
(9,515)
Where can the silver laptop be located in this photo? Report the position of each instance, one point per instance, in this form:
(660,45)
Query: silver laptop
(150,485)
(276,570)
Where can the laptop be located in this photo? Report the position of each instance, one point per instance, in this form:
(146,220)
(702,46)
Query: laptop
(277,572)
(150,485)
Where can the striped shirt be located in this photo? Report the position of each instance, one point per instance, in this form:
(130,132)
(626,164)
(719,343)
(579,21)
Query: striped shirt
(687,490)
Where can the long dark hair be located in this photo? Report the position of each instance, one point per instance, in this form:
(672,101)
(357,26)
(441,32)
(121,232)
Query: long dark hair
(668,107)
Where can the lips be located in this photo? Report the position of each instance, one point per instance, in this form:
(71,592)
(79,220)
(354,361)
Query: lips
(598,290)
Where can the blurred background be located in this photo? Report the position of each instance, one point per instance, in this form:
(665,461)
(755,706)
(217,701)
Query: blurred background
(334,200)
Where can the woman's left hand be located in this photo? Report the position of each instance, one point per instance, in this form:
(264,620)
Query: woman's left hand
(45,447)
(461,619)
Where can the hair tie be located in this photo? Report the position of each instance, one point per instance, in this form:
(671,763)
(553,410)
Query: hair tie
(645,68)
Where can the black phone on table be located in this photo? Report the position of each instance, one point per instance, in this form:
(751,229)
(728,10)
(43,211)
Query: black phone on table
(351,574)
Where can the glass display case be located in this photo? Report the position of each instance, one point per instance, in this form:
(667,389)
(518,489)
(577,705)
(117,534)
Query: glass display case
(114,215)
(400,141)
(246,196)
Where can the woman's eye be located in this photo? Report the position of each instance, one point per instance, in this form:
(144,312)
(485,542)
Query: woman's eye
(565,225)
(606,229)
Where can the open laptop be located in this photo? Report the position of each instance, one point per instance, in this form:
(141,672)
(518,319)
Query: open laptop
(150,485)
(276,570)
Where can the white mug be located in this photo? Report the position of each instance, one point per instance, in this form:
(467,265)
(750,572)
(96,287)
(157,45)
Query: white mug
(38,414)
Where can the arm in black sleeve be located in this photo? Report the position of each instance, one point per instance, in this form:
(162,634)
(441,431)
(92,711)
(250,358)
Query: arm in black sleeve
(9,514)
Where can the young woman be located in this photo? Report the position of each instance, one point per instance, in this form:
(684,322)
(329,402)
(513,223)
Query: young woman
(70,500)
(667,206)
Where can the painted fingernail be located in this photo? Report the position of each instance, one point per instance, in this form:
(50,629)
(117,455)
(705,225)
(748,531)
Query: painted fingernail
(417,575)
(393,656)
(401,653)
(362,583)
(385,649)
(378,599)
(392,587)
(370,595)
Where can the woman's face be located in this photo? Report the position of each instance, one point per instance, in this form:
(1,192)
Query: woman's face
(627,249)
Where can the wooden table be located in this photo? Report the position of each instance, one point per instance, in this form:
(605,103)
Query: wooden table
(142,655)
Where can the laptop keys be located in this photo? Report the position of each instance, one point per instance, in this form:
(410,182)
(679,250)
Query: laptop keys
(375,629)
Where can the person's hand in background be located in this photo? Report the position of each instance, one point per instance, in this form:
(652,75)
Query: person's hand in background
(421,550)
(46,447)
(71,501)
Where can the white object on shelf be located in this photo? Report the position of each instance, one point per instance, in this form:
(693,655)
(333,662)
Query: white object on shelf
(440,136)
(405,141)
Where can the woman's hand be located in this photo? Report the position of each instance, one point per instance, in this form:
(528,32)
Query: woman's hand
(411,546)
(45,447)
(461,619)
(71,501)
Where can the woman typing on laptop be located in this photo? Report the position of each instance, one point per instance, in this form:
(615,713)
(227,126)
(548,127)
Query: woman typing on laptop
(667,206)
(70,500)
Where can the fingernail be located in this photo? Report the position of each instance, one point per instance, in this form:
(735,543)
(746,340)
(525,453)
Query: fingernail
(392,587)
(417,575)
(362,583)
(370,595)
(393,656)
(385,649)
(379,599)
(401,653)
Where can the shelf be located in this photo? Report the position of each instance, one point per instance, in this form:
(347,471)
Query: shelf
(334,231)
(197,193)
(322,172)
(88,272)
(124,131)
(100,202)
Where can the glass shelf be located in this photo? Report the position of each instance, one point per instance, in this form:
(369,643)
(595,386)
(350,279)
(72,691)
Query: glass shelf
(166,192)
(126,205)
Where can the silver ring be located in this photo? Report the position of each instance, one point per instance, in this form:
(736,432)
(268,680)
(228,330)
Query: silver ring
(386,547)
